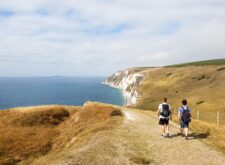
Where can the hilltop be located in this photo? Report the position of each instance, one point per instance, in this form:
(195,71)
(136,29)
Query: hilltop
(201,63)
(36,135)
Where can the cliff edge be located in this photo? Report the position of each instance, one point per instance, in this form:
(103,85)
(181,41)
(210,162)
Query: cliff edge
(127,80)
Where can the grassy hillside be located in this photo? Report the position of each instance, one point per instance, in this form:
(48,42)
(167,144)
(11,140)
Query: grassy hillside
(32,132)
(201,83)
(201,63)
(202,86)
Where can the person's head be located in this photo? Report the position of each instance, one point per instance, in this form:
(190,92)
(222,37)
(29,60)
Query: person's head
(164,99)
(184,102)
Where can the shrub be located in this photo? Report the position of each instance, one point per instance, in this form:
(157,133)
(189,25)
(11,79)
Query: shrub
(140,160)
(116,113)
(167,75)
(203,77)
(223,68)
(200,102)
(50,117)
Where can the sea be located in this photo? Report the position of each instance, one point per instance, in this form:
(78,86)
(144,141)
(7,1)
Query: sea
(31,91)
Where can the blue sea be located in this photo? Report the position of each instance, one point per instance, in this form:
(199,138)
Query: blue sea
(24,91)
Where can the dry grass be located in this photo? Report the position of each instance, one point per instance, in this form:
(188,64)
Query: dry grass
(202,86)
(27,134)
(92,118)
(140,160)
(208,133)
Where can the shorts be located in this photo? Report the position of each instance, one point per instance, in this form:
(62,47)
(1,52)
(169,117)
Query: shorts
(184,125)
(163,121)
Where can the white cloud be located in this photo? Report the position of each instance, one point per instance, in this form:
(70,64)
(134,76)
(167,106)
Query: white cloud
(97,37)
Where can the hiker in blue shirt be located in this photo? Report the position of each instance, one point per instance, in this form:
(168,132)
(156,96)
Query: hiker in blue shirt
(184,115)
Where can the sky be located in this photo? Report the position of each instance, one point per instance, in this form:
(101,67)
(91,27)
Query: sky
(99,37)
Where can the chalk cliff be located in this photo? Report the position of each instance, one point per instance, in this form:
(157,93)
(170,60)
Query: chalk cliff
(128,81)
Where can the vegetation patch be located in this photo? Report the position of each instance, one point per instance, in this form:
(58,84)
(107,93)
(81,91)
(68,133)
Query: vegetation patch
(200,102)
(140,160)
(49,117)
(27,134)
(220,69)
(203,77)
(168,74)
(201,63)
(116,113)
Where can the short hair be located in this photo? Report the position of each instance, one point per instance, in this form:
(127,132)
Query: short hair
(164,99)
(184,102)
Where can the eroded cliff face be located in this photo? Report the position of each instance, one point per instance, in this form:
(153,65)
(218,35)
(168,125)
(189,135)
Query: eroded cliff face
(127,81)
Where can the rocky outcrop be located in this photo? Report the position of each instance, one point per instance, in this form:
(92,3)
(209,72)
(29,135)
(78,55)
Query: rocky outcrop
(127,81)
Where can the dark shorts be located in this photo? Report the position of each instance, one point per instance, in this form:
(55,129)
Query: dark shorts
(184,125)
(163,121)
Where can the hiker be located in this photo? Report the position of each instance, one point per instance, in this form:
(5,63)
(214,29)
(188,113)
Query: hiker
(184,115)
(164,114)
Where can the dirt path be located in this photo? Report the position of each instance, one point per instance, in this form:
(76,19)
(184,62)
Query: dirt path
(136,140)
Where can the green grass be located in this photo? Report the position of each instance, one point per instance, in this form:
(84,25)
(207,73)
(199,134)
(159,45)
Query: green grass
(201,63)
(139,69)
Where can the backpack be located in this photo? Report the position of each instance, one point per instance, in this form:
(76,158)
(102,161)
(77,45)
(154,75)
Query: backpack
(186,115)
(165,111)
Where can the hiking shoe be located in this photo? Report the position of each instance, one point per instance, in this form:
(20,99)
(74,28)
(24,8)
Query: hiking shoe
(186,138)
(163,136)
(167,135)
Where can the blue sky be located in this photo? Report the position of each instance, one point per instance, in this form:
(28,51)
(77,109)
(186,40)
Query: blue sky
(99,37)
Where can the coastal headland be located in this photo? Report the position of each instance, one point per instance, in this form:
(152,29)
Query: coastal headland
(98,133)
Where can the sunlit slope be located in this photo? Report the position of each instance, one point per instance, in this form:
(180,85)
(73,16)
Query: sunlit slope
(203,87)
(30,133)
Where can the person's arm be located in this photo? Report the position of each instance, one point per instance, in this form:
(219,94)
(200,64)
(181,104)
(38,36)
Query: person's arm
(159,109)
(190,112)
(171,114)
(179,115)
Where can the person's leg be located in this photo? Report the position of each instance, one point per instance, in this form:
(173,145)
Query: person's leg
(181,131)
(161,123)
(167,128)
(163,129)
(186,131)
(181,128)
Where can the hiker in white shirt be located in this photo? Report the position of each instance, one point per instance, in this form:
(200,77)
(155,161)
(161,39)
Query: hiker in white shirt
(164,114)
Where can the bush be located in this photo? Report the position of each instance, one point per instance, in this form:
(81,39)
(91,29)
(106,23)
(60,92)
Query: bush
(200,102)
(116,113)
(203,77)
(223,68)
(50,117)
(169,74)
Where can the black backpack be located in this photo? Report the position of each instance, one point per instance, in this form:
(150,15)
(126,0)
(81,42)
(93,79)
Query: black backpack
(186,115)
(165,112)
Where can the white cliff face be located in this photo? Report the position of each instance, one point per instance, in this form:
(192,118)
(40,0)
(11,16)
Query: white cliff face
(128,82)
